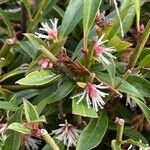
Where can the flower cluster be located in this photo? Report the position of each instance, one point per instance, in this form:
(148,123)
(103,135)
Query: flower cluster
(51,32)
(68,134)
(102,52)
(31,143)
(93,95)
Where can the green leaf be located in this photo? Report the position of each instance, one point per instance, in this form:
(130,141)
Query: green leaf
(72,16)
(141,84)
(63,90)
(28,7)
(8,106)
(118,44)
(14,139)
(12,73)
(82,109)
(19,128)
(30,111)
(93,133)
(125,87)
(90,8)
(127,13)
(28,48)
(17,97)
(114,145)
(145,62)
(42,8)
(38,78)
(37,42)
(111,68)
(7,22)
(145,109)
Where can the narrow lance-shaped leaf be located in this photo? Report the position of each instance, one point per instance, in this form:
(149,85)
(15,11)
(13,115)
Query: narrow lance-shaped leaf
(28,7)
(90,8)
(144,108)
(7,22)
(64,89)
(72,17)
(93,133)
(89,13)
(14,139)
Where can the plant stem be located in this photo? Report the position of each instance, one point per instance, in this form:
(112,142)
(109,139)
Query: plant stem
(49,140)
(90,53)
(49,55)
(120,128)
(140,45)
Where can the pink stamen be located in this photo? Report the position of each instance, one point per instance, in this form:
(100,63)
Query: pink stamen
(99,49)
(52,34)
(91,90)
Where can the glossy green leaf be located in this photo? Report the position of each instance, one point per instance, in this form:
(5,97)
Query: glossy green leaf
(90,8)
(17,97)
(127,13)
(125,87)
(8,106)
(37,42)
(145,109)
(30,111)
(19,128)
(72,16)
(93,133)
(63,90)
(7,22)
(82,109)
(28,48)
(28,7)
(41,10)
(38,78)
(14,139)
(140,83)
(111,69)
(12,73)
(145,62)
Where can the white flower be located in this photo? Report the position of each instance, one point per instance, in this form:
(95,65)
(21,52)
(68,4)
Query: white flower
(51,32)
(31,143)
(67,133)
(102,52)
(130,102)
(93,95)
